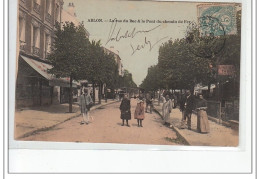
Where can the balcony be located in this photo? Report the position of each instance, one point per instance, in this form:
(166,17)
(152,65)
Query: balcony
(48,17)
(36,51)
(36,7)
(22,45)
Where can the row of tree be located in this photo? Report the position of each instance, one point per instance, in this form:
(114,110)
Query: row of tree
(74,56)
(183,63)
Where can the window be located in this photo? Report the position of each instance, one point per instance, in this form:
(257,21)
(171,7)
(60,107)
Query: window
(48,10)
(57,13)
(36,41)
(22,33)
(37,6)
(48,6)
(47,44)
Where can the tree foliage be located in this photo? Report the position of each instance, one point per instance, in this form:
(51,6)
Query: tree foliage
(180,67)
(74,56)
(127,80)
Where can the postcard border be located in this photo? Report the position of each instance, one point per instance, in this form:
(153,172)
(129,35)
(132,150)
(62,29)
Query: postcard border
(8,96)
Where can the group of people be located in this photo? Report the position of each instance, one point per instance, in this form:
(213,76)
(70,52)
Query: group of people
(125,108)
(188,104)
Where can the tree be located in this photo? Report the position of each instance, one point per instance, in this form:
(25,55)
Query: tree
(68,52)
(180,68)
(100,68)
(194,59)
(126,80)
(152,80)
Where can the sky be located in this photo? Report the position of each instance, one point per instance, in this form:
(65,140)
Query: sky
(140,49)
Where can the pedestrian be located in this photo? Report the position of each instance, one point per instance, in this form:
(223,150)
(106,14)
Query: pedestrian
(202,117)
(85,102)
(141,96)
(139,112)
(166,109)
(125,110)
(188,106)
(174,100)
(182,99)
(148,101)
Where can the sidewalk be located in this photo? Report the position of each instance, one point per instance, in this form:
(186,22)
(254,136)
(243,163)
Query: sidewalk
(35,119)
(219,135)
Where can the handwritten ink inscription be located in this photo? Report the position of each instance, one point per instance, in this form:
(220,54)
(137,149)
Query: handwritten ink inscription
(116,34)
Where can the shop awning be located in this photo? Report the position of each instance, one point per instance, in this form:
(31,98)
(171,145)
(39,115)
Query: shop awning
(42,69)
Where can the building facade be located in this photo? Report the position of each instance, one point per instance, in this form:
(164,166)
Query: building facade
(117,58)
(36,25)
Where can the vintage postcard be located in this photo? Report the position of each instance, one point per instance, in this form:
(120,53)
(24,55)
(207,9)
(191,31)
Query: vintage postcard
(128,72)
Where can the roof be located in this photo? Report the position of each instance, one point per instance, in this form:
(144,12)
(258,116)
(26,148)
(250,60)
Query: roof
(112,50)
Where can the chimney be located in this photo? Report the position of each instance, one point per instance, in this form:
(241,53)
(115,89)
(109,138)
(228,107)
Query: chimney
(71,9)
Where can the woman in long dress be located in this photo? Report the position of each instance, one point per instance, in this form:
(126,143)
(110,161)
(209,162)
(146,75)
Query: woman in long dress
(125,110)
(166,109)
(202,117)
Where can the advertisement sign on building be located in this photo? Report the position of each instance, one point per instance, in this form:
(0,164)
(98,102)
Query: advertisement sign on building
(226,70)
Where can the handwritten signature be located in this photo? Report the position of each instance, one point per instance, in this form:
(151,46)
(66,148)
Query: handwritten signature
(117,36)
(146,42)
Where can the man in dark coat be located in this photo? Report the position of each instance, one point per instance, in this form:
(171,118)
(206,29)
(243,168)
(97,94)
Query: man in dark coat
(148,101)
(125,110)
(188,105)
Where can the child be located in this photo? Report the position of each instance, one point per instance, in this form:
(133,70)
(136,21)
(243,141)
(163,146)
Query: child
(139,113)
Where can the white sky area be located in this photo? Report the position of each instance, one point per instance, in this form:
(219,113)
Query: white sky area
(138,62)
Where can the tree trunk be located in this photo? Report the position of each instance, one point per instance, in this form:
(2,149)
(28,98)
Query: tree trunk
(99,93)
(94,93)
(70,96)
(105,93)
(159,97)
(192,90)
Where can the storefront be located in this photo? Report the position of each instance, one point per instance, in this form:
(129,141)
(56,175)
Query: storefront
(36,87)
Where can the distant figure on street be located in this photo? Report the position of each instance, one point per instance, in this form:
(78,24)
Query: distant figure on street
(139,112)
(182,99)
(148,101)
(166,109)
(162,99)
(141,96)
(187,107)
(174,98)
(125,110)
(85,102)
(202,117)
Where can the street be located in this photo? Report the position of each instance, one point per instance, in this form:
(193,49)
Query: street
(105,127)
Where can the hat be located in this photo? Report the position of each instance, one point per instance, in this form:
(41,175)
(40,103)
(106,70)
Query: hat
(140,101)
